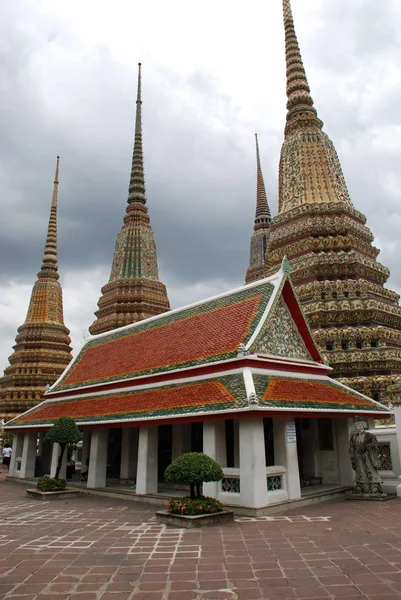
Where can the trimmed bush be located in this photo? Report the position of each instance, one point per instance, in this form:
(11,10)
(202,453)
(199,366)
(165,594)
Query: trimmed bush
(48,484)
(63,432)
(198,506)
(193,468)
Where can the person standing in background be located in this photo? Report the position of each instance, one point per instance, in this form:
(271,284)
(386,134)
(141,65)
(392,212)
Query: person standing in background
(7,451)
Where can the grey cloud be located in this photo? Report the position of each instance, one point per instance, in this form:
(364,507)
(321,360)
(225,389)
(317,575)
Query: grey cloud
(198,145)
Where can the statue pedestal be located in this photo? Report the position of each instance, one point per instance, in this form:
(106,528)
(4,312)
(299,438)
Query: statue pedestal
(377,497)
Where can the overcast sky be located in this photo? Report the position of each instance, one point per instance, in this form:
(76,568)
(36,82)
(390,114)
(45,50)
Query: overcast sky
(213,74)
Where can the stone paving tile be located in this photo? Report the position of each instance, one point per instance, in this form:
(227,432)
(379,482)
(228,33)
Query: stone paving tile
(95,548)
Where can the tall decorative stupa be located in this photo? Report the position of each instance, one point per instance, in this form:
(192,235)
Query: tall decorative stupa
(134,291)
(356,320)
(42,350)
(261,229)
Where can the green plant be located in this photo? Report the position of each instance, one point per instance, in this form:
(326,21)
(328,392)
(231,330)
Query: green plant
(48,484)
(198,506)
(63,432)
(193,468)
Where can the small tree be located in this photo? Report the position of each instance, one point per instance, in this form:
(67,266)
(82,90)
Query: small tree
(193,468)
(63,432)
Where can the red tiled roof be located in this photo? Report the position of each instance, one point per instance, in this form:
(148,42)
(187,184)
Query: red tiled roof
(209,332)
(174,399)
(298,393)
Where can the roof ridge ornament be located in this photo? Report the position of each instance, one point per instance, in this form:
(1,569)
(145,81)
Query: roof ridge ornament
(242,350)
(252,398)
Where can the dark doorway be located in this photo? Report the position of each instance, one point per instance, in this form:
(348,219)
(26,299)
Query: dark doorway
(114,453)
(300,448)
(197,437)
(230,442)
(269,441)
(165,443)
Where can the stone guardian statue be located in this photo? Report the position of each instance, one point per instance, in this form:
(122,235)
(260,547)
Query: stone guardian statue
(365,460)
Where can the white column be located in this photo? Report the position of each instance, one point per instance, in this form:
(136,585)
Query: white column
(41,435)
(397,417)
(214,445)
(285,453)
(129,452)
(253,483)
(343,430)
(54,462)
(146,474)
(86,445)
(18,443)
(98,458)
(28,456)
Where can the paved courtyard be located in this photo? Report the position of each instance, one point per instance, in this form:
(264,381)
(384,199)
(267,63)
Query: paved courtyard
(94,548)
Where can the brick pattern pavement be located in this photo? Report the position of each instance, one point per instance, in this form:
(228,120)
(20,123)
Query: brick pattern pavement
(94,548)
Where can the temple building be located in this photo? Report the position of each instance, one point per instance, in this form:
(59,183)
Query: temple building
(42,350)
(237,376)
(261,230)
(356,321)
(134,291)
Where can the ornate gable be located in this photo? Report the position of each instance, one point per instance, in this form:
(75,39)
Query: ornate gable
(280,335)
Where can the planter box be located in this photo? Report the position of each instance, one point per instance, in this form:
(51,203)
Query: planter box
(189,522)
(34,493)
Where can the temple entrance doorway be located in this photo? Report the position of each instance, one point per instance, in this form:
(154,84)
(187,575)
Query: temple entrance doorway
(317,452)
(114,454)
(307,452)
(165,444)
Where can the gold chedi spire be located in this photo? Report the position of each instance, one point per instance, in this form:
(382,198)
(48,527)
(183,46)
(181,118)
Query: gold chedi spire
(259,239)
(356,321)
(310,171)
(134,291)
(301,111)
(42,349)
(49,264)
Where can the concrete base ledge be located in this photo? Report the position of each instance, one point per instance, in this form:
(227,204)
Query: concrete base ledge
(63,494)
(279,507)
(190,522)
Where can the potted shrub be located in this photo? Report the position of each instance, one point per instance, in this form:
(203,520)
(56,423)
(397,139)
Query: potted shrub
(63,432)
(193,469)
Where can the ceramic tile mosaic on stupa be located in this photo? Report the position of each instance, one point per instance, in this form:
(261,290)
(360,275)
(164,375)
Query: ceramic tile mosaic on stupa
(286,392)
(310,171)
(334,265)
(210,395)
(207,332)
(280,335)
(135,255)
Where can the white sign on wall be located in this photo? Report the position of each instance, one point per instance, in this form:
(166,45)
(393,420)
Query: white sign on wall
(290,432)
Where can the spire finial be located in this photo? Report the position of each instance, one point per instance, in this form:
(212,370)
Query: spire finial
(136,191)
(301,111)
(139,91)
(262,215)
(49,265)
